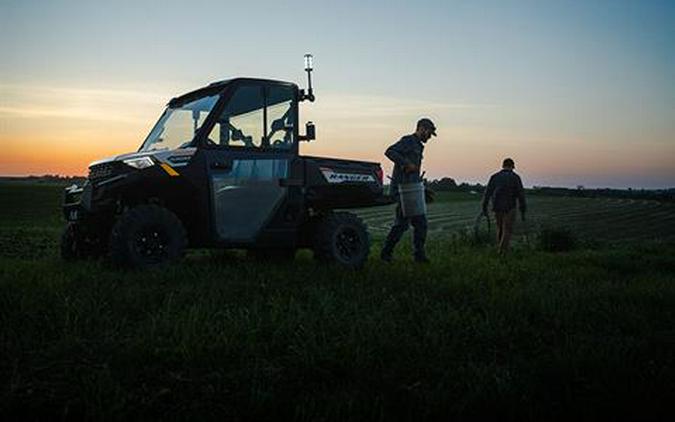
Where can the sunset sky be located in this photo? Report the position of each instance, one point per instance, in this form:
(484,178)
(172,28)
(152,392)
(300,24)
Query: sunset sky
(577,92)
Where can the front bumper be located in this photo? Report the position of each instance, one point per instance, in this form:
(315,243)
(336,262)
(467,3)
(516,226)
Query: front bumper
(76,201)
(82,202)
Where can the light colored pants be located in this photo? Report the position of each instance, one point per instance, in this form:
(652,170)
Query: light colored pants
(504,222)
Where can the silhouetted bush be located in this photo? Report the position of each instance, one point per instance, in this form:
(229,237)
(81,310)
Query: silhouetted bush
(477,235)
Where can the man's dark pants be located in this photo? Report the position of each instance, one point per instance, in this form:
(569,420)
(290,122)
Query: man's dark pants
(504,220)
(400,226)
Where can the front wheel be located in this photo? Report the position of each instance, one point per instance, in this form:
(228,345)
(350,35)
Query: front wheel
(147,236)
(342,238)
(79,241)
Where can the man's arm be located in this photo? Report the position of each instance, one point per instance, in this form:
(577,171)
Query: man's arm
(522,205)
(488,193)
(398,153)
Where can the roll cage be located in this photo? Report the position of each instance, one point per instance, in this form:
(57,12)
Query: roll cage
(226,90)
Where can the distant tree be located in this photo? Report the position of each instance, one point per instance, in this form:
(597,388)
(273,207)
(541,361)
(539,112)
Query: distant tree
(443,184)
(467,187)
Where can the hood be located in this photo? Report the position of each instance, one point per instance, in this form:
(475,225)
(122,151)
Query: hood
(173,156)
(121,157)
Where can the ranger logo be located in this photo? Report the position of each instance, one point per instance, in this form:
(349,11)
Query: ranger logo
(333,176)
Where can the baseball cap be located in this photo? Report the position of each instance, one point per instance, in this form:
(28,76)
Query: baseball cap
(427,123)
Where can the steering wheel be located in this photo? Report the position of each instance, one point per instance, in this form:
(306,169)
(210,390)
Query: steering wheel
(279,143)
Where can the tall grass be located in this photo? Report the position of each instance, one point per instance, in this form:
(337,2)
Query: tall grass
(587,334)
(534,336)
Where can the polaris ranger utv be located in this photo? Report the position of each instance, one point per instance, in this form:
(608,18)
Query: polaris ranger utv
(221,169)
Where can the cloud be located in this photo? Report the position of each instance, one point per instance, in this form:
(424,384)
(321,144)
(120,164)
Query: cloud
(107,105)
(349,106)
(59,93)
(67,113)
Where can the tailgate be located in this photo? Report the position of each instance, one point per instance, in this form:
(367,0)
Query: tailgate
(336,183)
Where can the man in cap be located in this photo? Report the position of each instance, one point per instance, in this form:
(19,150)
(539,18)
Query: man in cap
(504,189)
(407,157)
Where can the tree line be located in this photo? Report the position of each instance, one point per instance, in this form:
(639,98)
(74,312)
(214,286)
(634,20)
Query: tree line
(448,184)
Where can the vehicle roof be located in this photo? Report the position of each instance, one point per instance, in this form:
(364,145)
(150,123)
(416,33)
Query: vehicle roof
(218,86)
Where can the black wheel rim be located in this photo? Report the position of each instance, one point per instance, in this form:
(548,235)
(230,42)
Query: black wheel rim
(151,244)
(348,243)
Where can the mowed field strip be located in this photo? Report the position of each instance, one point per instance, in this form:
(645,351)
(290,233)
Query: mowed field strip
(593,218)
(32,212)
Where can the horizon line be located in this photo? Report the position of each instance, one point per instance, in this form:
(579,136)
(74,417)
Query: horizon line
(470,182)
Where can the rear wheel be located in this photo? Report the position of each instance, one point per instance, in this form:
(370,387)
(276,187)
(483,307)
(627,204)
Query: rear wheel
(342,238)
(147,236)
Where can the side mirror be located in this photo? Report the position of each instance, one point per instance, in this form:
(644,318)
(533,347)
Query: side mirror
(310,132)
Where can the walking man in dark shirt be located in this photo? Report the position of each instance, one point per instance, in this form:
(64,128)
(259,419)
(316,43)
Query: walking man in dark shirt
(504,189)
(407,157)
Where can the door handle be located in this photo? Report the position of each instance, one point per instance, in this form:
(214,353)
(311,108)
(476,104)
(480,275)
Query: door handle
(221,165)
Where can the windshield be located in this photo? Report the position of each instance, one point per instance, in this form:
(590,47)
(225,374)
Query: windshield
(178,125)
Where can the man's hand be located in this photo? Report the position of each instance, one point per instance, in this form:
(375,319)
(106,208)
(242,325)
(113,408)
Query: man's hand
(409,168)
(429,195)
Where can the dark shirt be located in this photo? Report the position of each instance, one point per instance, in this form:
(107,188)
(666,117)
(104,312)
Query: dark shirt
(504,188)
(408,150)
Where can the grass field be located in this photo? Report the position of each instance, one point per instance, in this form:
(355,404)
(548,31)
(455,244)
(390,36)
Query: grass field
(598,219)
(582,334)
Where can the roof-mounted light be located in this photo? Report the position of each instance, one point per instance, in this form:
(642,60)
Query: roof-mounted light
(309,66)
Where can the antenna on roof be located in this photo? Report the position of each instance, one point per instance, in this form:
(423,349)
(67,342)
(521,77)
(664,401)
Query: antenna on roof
(309,66)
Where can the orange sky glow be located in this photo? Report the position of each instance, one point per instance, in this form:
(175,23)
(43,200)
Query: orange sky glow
(61,130)
(578,93)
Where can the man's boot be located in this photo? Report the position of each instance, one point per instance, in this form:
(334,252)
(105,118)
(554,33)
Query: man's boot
(395,233)
(422,258)
(386,255)
(419,239)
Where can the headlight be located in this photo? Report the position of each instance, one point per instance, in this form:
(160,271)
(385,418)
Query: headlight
(140,163)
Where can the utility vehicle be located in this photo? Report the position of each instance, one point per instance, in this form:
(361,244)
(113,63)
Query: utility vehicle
(221,168)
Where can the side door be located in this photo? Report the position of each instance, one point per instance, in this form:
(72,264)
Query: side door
(252,146)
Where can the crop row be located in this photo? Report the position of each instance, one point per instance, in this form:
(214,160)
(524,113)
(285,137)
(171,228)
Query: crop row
(598,218)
